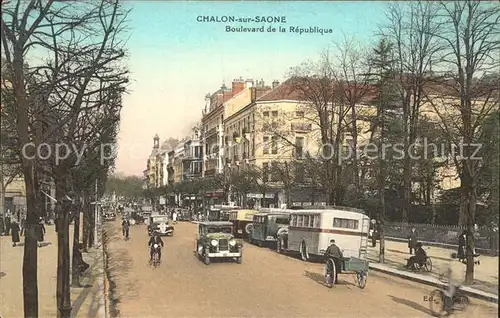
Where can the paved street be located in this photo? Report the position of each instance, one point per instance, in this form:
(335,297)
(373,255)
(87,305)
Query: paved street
(85,301)
(485,274)
(265,285)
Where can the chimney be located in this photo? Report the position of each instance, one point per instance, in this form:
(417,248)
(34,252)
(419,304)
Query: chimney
(238,86)
(248,83)
(275,83)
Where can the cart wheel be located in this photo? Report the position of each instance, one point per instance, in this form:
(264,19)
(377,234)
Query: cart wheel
(362,277)
(330,273)
(428,265)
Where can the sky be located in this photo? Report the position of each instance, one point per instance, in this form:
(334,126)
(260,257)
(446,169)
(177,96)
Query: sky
(176,60)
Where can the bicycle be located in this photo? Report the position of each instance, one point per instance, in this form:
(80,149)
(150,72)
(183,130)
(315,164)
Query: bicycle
(441,304)
(156,256)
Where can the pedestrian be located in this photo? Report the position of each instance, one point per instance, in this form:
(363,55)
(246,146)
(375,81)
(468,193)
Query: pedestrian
(14,227)
(7,222)
(462,241)
(82,265)
(2,225)
(412,240)
(174,217)
(40,233)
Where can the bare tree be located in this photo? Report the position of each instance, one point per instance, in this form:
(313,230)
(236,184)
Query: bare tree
(411,28)
(354,77)
(79,69)
(463,97)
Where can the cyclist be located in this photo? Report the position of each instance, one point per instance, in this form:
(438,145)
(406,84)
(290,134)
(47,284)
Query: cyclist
(334,252)
(156,239)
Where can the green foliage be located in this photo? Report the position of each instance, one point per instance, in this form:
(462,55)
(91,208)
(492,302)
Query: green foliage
(129,186)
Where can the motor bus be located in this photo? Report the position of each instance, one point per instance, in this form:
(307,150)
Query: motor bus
(242,221)
(220,212)
(267,225)
(311,230)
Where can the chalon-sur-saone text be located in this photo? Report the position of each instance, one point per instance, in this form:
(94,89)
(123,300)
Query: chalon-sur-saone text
(255,19)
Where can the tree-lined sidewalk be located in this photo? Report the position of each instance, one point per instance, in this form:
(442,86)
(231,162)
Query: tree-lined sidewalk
(485,274)
(85,300)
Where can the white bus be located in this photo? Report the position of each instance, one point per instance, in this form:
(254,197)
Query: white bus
(311,230)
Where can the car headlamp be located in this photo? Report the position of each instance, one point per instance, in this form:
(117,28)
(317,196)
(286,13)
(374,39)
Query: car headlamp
(232,242)
(214,242)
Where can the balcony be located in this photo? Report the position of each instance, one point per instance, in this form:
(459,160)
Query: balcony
(301,127)
(211,132)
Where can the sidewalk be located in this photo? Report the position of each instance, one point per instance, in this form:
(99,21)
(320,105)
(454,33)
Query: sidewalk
(86,301)
(396,253)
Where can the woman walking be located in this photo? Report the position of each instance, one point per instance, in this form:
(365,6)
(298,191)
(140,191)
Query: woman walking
(14,228)
(40,233)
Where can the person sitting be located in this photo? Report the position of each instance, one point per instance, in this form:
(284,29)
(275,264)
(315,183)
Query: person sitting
(156,239)
(333,251)
(419,258)
(81,263)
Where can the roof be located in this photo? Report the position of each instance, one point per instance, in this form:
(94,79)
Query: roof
(271,213)
(216,223)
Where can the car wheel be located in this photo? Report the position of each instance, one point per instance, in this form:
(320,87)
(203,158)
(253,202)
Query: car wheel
(303,251)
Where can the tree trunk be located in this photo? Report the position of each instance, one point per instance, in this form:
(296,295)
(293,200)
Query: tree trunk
(30,257)
(406,185)
(354,155)
(63,255)
(86,224)
(75,264)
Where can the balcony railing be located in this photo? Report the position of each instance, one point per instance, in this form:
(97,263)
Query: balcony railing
(305,127)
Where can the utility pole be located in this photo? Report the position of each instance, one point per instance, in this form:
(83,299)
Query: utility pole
(96,216)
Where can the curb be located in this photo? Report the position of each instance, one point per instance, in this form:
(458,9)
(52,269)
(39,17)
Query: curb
(466,290)
(100,279)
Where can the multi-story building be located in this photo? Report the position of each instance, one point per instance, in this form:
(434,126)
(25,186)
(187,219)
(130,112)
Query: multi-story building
(193,160)
(260,125)
(213,126)
(151,163)
(179,156)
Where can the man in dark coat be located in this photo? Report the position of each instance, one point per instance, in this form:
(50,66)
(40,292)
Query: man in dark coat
(7,223)
(412,240)
(462,242)
(334,251)
(14,227)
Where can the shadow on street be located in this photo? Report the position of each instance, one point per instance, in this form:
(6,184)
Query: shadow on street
(411,304)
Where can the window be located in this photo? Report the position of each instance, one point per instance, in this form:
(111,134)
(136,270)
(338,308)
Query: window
(300,220)
(274,146)
(317,219)
(275,173)
(196,151)
(311,220)
(265,114)
(299,147)
(265,149)
(345,223)
(299,114)
(275,113)
(306,220)
(293,220)
(284,221)
(265,172)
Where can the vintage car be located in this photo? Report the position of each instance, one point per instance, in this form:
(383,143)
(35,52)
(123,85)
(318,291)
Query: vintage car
(159,225)
(267,226)
(109,216)
(242,221)
(215,240)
